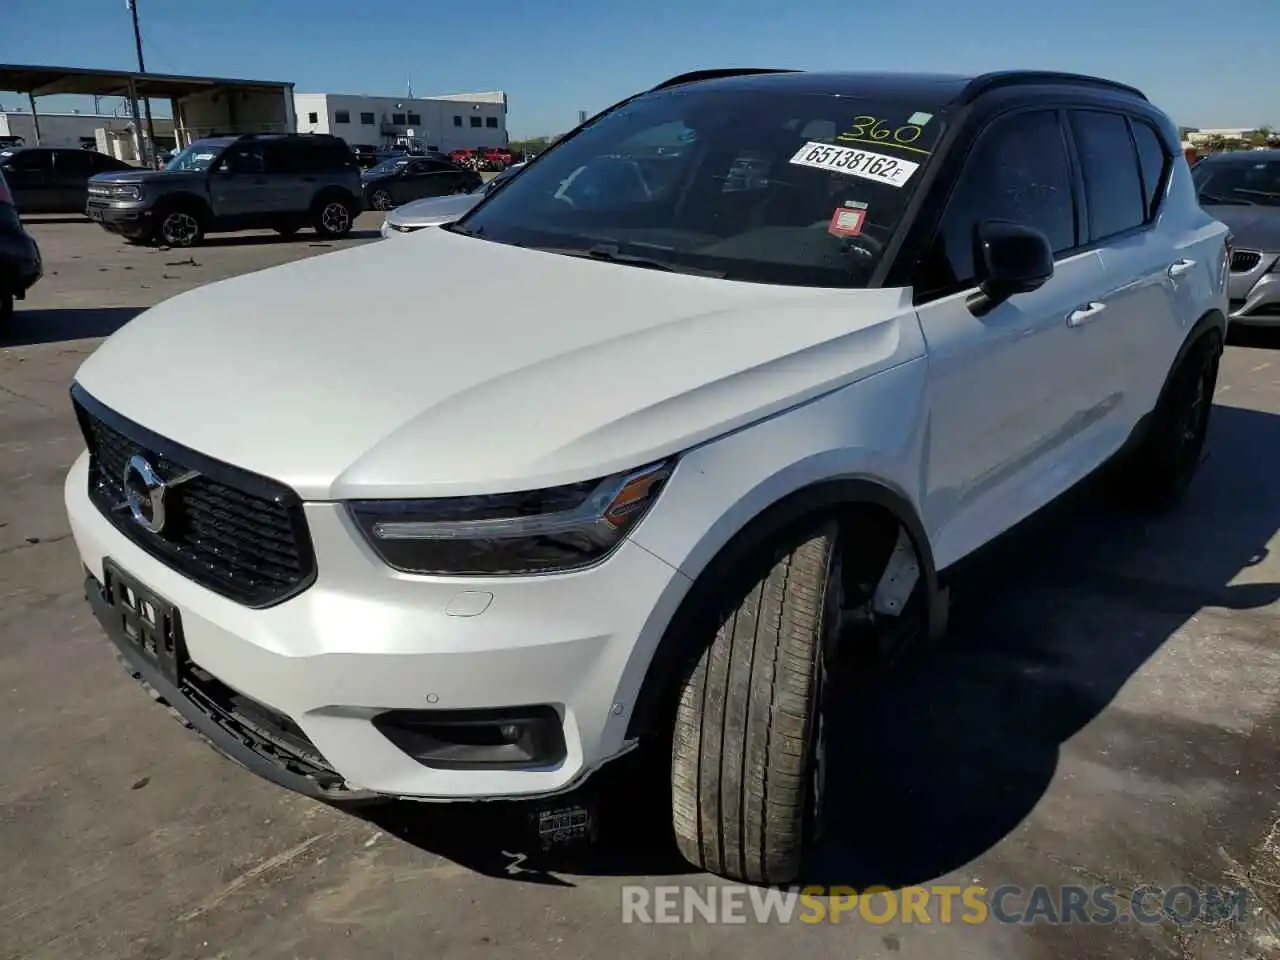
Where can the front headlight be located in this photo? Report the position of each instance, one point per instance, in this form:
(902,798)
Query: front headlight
(537,531)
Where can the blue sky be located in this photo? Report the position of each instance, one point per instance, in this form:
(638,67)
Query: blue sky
(1207,62)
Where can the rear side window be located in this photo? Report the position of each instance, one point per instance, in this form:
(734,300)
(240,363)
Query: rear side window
(1112,183)
(73,162)
(1019,172)
(29,161)
(1153,160)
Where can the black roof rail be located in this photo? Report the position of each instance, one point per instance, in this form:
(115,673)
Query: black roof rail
(1010,78)
(696,76)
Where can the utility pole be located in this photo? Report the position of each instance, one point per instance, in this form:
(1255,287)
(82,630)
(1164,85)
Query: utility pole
(142,68)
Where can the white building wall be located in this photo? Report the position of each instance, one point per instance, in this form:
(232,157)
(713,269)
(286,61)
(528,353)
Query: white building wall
(82,130)
(445,123)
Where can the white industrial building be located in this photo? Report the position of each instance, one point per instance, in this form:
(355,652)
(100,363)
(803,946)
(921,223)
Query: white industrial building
(441,123)
(109,133)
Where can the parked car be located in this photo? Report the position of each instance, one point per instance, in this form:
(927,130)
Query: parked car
(402,179)
(1243,191)
(699,445)
(252,181)
(20,264)
(53,179)
(434,211)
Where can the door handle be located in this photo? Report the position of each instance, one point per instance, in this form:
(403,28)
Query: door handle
(1082,315)
(1181,267)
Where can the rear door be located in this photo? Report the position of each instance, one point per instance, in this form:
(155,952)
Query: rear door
(1133,328)
(29,173)
(292,170)
(1007,387)
(429,178)
(71,172)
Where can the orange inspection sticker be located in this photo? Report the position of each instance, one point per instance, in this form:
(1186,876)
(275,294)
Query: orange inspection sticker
(846,222)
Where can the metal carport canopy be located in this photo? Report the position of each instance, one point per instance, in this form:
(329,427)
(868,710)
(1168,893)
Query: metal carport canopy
(46,81)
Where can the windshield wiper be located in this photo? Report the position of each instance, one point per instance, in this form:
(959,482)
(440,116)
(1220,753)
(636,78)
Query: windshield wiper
(610,253)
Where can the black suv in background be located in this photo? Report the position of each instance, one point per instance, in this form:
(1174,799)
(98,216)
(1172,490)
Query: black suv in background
(20,265)
(53,179)
(247,182)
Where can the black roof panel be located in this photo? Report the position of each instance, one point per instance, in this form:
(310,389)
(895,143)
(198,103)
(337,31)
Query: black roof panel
(931,88)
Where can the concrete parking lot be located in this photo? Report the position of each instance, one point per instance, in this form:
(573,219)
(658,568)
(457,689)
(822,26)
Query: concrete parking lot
(1106,711)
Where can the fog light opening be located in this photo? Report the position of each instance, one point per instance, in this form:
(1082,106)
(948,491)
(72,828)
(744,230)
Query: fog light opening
(464,739)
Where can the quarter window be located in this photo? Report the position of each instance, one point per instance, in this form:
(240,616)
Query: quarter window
(1112,184)
(1018,172)
(1152,156)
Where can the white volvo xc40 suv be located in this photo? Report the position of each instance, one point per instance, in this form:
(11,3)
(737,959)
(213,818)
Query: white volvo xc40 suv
(762,354)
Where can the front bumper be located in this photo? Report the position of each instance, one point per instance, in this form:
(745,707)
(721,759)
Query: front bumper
(1255,293)
(364,640)
(128,218)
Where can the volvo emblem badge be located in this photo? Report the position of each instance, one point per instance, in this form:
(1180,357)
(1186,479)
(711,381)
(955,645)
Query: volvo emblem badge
(144,492)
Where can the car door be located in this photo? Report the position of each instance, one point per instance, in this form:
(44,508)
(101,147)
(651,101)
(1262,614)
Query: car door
(238,184)
(290,170)
(1135,325)
(1006,400)
(418,179)
(29,173)
(71,172)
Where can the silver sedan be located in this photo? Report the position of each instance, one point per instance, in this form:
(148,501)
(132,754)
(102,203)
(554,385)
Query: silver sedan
(433,211)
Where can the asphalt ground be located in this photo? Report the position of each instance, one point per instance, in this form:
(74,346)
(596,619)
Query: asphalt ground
(1104,714)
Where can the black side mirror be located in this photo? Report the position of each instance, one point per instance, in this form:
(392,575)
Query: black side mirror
(1011,259)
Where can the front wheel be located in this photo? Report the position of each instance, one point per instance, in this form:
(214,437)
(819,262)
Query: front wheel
(180,228)
(333,218)
(748,768)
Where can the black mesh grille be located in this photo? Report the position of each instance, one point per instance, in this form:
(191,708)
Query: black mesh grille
(1242,261)
(239,534)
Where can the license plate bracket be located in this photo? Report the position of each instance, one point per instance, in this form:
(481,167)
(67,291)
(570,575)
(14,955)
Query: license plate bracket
(150,624)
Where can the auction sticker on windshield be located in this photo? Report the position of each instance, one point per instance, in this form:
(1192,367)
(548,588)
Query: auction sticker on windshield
(856,163)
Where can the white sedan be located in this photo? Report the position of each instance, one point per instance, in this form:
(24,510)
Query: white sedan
(433,211)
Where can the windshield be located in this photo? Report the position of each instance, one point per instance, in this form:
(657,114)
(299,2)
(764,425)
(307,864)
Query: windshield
(388,166)
(767,187)
(199,156)
(1241,180)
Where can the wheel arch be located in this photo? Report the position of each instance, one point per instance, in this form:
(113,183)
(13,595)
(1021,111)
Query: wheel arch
(333,192)
(184,200)
(1210,322)
(686,631)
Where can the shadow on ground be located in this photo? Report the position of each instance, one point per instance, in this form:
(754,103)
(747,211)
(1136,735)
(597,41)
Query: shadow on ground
(47,218)
(266,239)
(57,325)
(934,767)
(1260,338)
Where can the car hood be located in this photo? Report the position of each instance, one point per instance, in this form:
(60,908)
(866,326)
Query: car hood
(442,365)
(1252,228)
(144,176)
(433,210)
